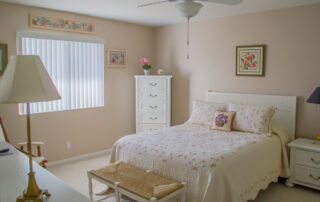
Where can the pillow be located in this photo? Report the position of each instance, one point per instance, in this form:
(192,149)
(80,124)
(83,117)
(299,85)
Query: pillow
(203,112)
(222,121)
(249,118)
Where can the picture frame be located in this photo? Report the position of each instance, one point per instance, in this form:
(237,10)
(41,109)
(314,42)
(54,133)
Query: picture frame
(250,60)
(3,57)
(116,57)
(60,24)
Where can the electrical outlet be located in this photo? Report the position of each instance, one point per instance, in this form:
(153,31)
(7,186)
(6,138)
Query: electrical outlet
(68,145)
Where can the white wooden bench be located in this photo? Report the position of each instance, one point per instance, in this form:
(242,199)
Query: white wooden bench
(135,183)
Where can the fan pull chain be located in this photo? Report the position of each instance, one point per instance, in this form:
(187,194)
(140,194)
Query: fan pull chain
(188,37)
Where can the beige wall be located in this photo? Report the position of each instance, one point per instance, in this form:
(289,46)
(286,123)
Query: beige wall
(292,37)
(292,68)
(88,130)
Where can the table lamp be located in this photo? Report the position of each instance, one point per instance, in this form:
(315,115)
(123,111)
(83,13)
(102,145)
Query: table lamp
(26,80)
(315,99)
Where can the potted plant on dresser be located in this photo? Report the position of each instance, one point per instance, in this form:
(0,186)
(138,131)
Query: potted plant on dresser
(146,67)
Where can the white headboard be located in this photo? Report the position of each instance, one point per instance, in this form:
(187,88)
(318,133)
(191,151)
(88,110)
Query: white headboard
(286,105)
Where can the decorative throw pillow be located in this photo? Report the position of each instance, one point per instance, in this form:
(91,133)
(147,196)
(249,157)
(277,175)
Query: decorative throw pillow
(203,112)
(251,118)
(223,121)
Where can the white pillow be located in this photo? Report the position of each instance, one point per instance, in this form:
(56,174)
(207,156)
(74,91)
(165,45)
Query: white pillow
(250,118)
(203,112)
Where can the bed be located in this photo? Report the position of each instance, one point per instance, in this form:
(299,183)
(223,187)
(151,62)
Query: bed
(216,165)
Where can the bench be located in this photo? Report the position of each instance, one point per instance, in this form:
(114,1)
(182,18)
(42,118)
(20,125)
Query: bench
(136,183)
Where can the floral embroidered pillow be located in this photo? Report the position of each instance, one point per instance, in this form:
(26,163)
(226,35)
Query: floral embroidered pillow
(223,121)
(203,112)
(249,118)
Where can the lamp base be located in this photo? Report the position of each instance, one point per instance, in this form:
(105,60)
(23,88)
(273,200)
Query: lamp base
(38,198)
(33,193)
(316,138)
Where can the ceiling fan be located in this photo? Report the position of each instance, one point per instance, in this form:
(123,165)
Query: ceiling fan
(190,8)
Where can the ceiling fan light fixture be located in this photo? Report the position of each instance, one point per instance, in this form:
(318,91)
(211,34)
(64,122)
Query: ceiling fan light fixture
(188,8)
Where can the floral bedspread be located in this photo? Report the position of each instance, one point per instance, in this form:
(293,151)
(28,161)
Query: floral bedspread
(207,160)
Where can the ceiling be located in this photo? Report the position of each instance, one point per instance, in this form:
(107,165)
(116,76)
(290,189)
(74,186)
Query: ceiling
(157,15)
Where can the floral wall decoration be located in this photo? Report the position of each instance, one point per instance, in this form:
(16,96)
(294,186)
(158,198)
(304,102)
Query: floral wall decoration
(61,24)
(116,58)
(250,60)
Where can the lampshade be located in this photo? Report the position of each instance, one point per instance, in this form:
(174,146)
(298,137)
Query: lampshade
(26,80)
(315,96)
(188,8)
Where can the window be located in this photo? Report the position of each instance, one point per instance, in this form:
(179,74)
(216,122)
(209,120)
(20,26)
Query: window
(75,65)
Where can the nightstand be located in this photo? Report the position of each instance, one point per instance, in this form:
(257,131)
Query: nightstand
(304,163)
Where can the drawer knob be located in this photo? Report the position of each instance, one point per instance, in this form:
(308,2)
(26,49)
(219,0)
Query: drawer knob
(153,84)
(153,118)
(313,177)
(153,107)
(314,161)
(153,95)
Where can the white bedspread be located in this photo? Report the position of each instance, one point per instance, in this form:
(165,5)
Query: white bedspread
(217,166)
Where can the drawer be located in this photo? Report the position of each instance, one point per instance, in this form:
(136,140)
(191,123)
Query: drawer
(152,127)
(307,158)
(153,95)
(153,106)
(153,118)
(307,175)
(153,84)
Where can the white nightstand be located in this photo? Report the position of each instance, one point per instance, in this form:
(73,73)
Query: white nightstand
(304,163)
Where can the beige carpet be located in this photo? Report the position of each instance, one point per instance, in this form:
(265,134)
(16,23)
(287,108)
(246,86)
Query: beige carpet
(75,175)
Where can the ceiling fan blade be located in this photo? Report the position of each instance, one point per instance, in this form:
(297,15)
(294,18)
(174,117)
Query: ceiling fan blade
(157,2)
(230,2)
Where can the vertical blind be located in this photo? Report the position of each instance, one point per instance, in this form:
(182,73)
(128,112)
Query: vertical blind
(75,66)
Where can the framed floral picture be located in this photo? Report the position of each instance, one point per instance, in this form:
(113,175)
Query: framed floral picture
(116,58)
(250,60)
(3,57)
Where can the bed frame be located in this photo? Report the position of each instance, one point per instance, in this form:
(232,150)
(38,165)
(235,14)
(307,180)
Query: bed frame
(286,105)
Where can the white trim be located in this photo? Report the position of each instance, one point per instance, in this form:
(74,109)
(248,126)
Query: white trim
(54,36)
(152,76)
(286,105)
(77,158)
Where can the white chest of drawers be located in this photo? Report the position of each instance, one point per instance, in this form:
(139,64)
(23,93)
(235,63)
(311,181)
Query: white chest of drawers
(304,163)
(153,102)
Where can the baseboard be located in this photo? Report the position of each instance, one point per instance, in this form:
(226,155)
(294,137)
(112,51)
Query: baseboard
(77,158)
